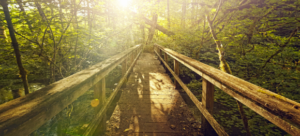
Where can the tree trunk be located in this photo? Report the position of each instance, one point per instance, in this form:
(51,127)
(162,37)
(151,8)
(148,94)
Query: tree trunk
(142,26)
(61,15)
(41,12)
(23,72)
(158,27)
(152,30)
(151,34)
(20,3)
(226,68)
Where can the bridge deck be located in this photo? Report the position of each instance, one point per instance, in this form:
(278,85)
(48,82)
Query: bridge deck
(150,104)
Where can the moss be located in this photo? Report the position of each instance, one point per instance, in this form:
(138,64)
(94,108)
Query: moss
(225,67)
(270,94)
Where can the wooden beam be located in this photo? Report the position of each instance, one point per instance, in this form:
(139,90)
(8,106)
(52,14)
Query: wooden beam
(160,53)
(217,127)
(24,115)
(281,111)
(207,103)
(176,70)
(166,57)
(132,58)
(99,93)
(124,67)
(94,124)
(103,95)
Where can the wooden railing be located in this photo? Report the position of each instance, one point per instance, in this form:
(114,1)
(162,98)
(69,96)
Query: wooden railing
(26,114)
(281,111)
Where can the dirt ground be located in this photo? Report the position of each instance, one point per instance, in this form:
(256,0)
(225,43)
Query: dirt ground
(150,105)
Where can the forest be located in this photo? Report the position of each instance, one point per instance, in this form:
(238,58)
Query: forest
(44,41)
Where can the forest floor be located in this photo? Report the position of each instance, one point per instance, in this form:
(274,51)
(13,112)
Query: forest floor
(150,105)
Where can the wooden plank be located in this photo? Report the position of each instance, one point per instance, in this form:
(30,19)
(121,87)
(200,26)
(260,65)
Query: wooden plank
(160,52)
(176,70)
(132,58)
(94,124)
(103,96)
(101,128)
(280,107)
(24,115)
(166,57)
(217,127)
(207,103)
(260,110)
(99,91)
(124,67)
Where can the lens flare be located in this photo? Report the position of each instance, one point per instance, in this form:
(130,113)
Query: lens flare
(124,3)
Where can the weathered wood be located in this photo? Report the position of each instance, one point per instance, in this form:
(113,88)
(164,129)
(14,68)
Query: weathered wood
(207,103)
(99,93)
(101,127)
(217,127)
(103,96)
(275,108)
(94,124)
(160,53)
(24,115)
(124,67)
(132,58)
(166,57)
(176,70)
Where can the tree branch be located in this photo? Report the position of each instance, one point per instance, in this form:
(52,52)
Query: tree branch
(220,3)
(282,47)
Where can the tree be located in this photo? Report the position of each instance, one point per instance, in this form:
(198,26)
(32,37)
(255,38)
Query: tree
(23,72)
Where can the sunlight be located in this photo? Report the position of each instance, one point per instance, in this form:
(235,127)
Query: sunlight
(124,3)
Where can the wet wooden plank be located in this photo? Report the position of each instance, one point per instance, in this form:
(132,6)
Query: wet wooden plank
(151,104)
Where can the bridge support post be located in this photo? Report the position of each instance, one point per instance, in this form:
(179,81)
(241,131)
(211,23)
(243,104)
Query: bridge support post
(160,52)
(166,57)
(176,70)
(132,58)
(124,67)
(207,103)
(99,93)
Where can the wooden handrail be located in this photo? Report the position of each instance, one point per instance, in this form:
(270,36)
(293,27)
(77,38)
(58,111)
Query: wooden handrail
(24,115)
(281,111)
(94,124)
(219,129)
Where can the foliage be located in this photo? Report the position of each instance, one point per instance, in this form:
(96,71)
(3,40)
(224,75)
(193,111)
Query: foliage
(260,39)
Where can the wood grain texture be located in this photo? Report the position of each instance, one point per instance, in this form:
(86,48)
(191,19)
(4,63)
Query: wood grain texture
(217,127)
(176,70)
(166,57)
(24,115)
(124,67)
(207,103)
(98,117)
(281,111)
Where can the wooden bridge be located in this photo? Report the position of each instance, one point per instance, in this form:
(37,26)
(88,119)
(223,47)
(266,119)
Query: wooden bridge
(150,103)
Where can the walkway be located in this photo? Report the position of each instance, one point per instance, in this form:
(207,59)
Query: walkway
(150,105)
